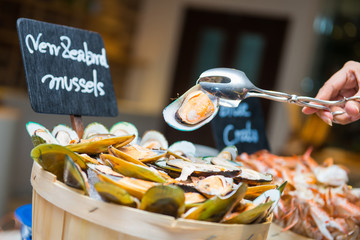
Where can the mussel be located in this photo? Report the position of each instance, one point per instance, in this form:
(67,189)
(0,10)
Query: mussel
(40,134)
(65,135)
(202,169)
(52,158)
(124,129)
(192,110)
(99,146)
(253,177)
(215,208)
(113,193)
(215,185)
(153,139)
(139,153)
(251,213)
(74,176)
(164,199)
(95,129)
(130,169)
(63,163)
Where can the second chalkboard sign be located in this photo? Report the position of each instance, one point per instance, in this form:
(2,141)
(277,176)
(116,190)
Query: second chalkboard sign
(242,127)
(66,69)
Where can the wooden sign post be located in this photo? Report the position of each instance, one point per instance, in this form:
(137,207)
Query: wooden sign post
(242,127)
(67,71)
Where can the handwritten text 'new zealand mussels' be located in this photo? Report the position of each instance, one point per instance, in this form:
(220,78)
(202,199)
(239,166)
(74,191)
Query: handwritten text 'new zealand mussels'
(65,51)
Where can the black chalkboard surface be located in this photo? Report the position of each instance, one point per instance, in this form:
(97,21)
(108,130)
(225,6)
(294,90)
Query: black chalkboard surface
(66,69)
(242,126)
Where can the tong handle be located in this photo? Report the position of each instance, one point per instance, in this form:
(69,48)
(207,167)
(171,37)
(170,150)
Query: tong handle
(299,100)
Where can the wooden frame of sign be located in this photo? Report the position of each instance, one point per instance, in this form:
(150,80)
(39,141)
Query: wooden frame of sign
(67,71)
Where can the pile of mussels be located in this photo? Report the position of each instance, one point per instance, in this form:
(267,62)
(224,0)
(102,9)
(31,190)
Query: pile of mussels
(118,166)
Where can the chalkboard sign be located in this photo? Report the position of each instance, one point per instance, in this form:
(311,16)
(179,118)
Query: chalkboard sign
(242,126)
(66,69)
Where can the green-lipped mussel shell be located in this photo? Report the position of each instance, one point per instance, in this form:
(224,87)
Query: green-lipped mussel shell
(172,171)
(255,191)
(141,156)
(117,153)
(215,208)
(133,170)
(253,177)
(249,216)
(51,157)
(229,153)
(223,162)
(74,177)
(100,146)
(164,199)
(37,140)
(203,169)
(177,156)
(135,187)
(281,188)
(113,193)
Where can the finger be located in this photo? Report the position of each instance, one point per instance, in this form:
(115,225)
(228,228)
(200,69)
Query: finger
(342,119)
(326,116)
(352,108)
(309,110)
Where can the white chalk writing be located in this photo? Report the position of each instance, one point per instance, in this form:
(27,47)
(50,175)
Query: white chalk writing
(232,136)
(75,84)
(241,111)
(79,55)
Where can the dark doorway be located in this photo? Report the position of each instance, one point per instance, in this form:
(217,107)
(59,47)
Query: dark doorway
(212,39)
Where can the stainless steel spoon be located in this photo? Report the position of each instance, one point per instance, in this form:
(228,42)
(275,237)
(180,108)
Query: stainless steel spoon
(232,86)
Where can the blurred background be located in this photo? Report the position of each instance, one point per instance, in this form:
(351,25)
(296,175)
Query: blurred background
(156,50)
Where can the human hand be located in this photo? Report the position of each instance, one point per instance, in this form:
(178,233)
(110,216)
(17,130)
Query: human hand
(344,83)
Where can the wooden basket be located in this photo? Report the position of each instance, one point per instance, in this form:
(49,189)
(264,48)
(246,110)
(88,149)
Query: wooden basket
(60,212)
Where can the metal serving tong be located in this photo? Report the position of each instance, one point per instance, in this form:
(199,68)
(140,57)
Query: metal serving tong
(232,86)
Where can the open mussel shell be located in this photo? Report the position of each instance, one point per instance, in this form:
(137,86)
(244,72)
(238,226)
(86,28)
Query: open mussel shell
(253,177)
(219,161)
(39,134)
(164,199)
(95,129)
(140,153)
(255,191)
(74,176)
(135,187)
(111,192)
(120,154)
(99,146)
(153,139)
(228,153)
(273,194)
(251,215)
(183,149)
(215,208)
(215,185)
(51,157)
(37,140)
(65,135)
(130,169)
(193,199)
(171,112)
(103,169)
(281,188)
(173,172)
(124,129)
(202,169)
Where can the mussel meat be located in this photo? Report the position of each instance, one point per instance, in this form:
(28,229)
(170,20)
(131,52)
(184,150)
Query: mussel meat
(192,110)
